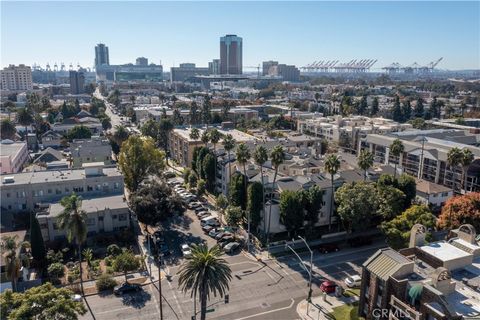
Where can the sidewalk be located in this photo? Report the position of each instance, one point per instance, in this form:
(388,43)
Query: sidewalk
(320,309)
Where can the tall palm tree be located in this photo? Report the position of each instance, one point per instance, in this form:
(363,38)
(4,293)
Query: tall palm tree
(243,155)
(10,246)
(215,136)
(397,148)
(277,157)
(332,165)
(229,145)
(203,273)
(194,134)
(365,161)
(205,137)
(466,161)
(454,158)
(261,156)
(73,220)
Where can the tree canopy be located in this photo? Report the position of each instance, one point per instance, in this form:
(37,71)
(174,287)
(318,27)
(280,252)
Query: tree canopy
(461,210)
(79,132)
(291,214)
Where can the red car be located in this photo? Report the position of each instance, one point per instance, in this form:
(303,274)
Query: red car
(328,286)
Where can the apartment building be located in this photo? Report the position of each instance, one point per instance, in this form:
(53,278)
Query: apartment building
(23,191)
(425,281)
(16,78)
(13,156)
(425,155)
(432,194)
(97,149)
(104,214)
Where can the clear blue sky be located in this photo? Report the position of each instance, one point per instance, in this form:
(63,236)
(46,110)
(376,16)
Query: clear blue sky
(293,33)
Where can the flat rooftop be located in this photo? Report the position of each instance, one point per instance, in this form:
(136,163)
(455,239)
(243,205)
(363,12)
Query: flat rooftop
(10,149)
(444,251)
(238,135)
(92,205)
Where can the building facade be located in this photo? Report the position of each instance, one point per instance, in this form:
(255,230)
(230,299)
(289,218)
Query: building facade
(214,66)
(16,78)
(101,55)
(186,71)
(231,54)
(266,65)
(77,82)
(141,61)
(92,150)
(13,156)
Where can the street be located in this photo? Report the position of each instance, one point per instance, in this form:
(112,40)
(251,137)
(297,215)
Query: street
(269,290)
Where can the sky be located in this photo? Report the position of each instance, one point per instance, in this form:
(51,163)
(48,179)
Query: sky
(289,32)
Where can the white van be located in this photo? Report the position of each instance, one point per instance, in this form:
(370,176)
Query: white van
(353,281)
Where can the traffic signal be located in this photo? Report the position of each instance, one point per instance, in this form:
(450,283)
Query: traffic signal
(227,298)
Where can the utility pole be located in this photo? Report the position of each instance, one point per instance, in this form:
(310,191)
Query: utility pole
(160,283)
(309,296)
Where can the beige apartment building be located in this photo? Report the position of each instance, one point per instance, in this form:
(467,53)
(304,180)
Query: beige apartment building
(16,78)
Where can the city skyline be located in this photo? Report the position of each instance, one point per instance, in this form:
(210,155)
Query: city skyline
(174,33)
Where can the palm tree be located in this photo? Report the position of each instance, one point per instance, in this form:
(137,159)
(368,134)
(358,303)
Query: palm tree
(332,165)
(73,220)
(277,157)
(454,158)
(203,273)
(25,118)
(466,161)
(214,138)
(120,134)
(229,145)
(194,134)
(205,137)
(397,148)
(261,156)
(243,155)
(10,246)
(365,161)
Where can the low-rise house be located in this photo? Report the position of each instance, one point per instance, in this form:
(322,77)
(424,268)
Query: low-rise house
(97,149)
(104,214)
(48,155)
(432,194)
(51,139)
(24,191)
(13,156)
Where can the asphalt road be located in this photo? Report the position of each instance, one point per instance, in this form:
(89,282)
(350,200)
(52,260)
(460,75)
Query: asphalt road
(257,290)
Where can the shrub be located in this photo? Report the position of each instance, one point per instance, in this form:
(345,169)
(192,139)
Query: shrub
(105,282)
(113,250)
(56,270)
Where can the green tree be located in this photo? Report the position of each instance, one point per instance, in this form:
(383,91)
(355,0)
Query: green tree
(49,302)
(255,203)
(332,165)
(201,187)
(312,207)
(466,161)
(36,240)
(88,255)
(418,123)
(25,118)
(243,156)
(13,262)
(357,202)
(138,159)
(407,110)
(291,214)
(365,162)
(454,158)
(177,118)
(375,108)
(119,136)
(397,230)
(79,132)
(7,129)
(397,114)
(208,167)
(261,156)
(105,282)
(221,202)
(194,114)
(192,180)
(126,262)
(408,186)
(233,216)
(203,273)
(194,134)
(236,190)
(73,219)
(150,129)
(229,145)
(215,136)
(165,126)
(391,202)
(55,271)
(106,122)
(396,149)
(419,111)
(205,137)
(206,113)
(277,157)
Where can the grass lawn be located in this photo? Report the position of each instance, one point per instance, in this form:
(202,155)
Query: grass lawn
(346,312)
(352,292)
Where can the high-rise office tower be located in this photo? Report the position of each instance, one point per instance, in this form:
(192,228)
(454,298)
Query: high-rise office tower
(101,55)
(77,82)
(230,54)
(141,61)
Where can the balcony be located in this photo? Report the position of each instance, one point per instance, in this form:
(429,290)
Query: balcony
(400,310)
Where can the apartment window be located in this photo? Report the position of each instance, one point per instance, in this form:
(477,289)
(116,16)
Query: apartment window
(100,218)
(49,191)
(20,194)
(116,185)
(97,187)
(58,191)
(114,216)
(122,217)
(89,188)
(55,226)
(8,195)
(67,190)
(78,189)
(444,194)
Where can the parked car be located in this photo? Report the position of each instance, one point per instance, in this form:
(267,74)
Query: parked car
(194,205)
(186,250)
(203,214)
(200,209)
(353,281)
(207,229)
(222,234)
(360,241)
(327,248)
(328,286)
(231,247)
(126,287)
(224,240)
(214,232)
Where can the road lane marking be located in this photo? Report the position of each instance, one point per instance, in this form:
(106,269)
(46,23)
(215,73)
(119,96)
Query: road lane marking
(267,312)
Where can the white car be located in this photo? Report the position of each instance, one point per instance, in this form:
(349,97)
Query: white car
(353,281)
(186,250)
(77,298)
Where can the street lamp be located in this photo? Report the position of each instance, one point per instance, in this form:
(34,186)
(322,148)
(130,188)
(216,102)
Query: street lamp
(160,283)
(309,297)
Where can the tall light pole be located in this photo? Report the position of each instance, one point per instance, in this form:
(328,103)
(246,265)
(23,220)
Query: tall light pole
(160,283)
(309,296)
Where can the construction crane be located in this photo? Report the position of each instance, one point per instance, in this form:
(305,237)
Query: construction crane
(254,67)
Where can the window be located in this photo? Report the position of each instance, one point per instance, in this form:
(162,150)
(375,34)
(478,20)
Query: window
(89,188)
(55,226)
(90,221)
(49,191)
(116,185)
(58,191)
(114,216)
(78,189)
(20,194)
(8,195)
(100,218)
(122,217)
